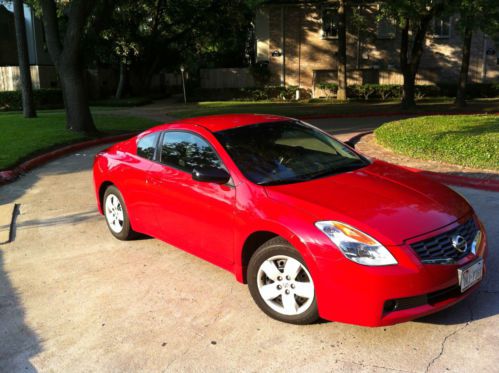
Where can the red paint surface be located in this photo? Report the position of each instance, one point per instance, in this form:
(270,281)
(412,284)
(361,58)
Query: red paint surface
(214,221)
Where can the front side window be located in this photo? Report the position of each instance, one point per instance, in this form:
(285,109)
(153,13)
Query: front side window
(286,152)
(187,151)
(146,147)
(330,23)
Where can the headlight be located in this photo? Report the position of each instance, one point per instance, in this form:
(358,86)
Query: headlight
(356,245)
(476,241)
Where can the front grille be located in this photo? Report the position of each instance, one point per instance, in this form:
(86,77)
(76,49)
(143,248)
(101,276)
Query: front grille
(439,249)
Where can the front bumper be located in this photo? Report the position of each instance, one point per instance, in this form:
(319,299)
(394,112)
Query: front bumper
(362,295)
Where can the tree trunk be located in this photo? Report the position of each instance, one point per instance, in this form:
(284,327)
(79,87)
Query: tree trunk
(122,81)
(465,64)
(410,64)
(23,57)
(78,116)
(342,52)
(67,60)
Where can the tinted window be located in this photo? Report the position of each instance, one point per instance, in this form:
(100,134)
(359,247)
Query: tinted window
(286,152)
(147,145)
(187,151)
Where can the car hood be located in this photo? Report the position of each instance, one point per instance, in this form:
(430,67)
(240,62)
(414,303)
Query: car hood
(386,201)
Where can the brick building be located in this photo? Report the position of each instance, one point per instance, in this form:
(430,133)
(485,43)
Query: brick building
(299,40)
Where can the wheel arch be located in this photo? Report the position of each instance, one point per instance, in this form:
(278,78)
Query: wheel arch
(257,238)
(102,189)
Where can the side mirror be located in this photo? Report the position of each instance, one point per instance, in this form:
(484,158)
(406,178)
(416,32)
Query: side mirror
(350,144)
(211,175)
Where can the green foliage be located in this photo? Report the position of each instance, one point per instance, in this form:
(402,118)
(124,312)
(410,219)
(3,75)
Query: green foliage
(22,138)
(44,99)
(330,88)
(471,140)
(394,91)
(150,36)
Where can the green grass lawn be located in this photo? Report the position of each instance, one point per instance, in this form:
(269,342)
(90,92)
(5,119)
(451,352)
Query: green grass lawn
(298,109)
(21,138)
(467,140)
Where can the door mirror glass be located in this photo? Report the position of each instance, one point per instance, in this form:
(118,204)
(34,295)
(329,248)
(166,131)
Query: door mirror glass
(211,175)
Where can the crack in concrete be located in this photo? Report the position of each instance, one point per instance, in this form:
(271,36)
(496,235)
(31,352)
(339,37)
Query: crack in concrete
(372,366)
(444,341)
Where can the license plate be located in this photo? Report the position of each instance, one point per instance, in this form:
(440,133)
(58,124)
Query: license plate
(470,275)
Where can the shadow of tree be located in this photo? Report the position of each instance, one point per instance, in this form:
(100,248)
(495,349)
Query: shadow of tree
(18,342)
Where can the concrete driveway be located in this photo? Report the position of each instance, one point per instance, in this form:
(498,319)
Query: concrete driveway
(73,298)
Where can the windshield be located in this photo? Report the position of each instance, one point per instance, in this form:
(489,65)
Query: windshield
(286,152)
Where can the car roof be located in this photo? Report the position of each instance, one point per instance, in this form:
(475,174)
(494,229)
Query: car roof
(215,123)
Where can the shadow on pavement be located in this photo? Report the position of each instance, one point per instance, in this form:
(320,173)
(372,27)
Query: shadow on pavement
(480,305)
(60,220)
(18,342)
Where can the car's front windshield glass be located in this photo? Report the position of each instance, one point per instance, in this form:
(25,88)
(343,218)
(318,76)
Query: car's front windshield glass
(286,152)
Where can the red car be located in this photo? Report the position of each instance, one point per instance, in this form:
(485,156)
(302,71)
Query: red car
(313,227)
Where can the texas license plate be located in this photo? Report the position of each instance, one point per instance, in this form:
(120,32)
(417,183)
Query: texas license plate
(470,275)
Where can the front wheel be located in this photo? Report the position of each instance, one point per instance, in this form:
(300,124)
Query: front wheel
(280,283)
(116,215)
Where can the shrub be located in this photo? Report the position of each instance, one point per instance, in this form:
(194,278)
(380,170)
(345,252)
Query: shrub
(331,88)
(44,99)
(387,91)
(423,91)
(266,93)
(394,91)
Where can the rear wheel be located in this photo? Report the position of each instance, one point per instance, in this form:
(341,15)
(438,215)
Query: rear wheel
(116,215)
(280,283)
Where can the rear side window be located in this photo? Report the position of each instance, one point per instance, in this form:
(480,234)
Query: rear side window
(186,151)
(146,146)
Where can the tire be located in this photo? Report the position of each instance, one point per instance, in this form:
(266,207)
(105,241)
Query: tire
(116,215)
(288,299)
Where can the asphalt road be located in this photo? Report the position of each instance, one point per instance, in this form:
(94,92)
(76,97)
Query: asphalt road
(73,298)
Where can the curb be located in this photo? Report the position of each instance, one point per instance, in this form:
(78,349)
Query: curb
(393,114)
(8,176)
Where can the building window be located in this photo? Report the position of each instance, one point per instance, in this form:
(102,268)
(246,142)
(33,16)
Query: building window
(441,27)
(386,28)
(330,23)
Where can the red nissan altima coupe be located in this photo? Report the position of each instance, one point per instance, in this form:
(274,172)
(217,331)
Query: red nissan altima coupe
(313,227)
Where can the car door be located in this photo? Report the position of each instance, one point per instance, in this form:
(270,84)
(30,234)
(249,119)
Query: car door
(137,194)
(195,216)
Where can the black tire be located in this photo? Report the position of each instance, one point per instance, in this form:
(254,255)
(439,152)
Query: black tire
(278,247)
(126,233)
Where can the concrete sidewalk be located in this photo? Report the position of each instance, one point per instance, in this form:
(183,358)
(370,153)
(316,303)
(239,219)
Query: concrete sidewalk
(73,298)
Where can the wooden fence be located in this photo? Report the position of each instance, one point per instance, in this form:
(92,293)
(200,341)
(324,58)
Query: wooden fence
(226,78)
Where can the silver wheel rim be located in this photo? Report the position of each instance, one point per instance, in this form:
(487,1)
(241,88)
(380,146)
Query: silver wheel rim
(114,213)
(285,285)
